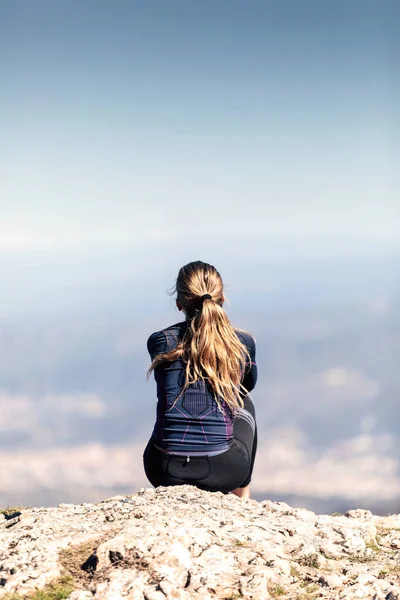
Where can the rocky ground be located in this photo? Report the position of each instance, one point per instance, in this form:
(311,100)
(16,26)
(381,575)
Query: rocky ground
(183,543)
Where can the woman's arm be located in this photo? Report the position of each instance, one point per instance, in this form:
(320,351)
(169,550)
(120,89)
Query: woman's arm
(157,344)
(250,376)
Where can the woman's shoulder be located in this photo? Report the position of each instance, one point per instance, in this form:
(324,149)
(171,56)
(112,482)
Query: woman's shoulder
(246,338)
(165,339)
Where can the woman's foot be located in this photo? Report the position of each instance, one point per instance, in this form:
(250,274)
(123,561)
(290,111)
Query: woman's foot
(243,493)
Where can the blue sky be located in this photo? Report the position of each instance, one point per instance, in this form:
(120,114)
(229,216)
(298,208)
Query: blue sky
(131,124)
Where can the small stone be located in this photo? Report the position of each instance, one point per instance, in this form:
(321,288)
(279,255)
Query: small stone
(153,595)
(331,580)
(365,579)
(80,595)
(392,596)
(170,591)
(355,545)
(282,567)
(11,522)
(166,587)
(359,513)
(110,552)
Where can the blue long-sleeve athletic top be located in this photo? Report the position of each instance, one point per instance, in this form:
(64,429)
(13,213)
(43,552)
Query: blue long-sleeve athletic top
(194,424)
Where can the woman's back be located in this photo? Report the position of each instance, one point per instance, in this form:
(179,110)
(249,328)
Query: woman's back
(193,422)
(205,432)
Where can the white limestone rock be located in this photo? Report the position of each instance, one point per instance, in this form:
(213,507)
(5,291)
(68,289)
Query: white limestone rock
(186,544)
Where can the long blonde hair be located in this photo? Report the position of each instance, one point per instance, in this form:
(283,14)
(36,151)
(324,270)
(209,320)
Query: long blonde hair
(210,347)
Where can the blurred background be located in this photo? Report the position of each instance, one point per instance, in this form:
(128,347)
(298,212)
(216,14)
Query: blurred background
(260,136)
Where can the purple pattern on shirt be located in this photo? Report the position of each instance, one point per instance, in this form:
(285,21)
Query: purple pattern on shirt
(193,421)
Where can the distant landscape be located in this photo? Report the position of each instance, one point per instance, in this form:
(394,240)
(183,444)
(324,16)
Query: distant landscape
(76,410)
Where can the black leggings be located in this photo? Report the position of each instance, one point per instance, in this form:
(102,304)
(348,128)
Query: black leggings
(220,473)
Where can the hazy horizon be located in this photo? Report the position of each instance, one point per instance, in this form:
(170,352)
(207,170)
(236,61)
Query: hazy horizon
(73,379)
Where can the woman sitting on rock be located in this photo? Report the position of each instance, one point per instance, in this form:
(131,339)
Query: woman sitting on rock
(205,432)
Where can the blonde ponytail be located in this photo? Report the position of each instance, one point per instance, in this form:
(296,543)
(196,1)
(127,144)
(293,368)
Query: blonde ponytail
(210,348)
